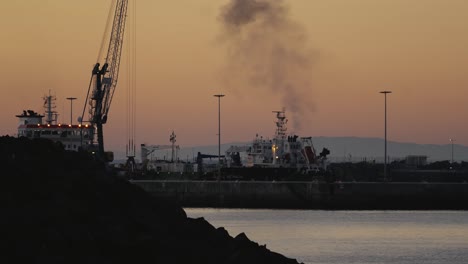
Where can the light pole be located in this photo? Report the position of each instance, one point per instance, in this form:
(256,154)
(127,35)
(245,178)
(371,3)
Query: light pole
(451,141)
(385,155)
(71,108)
(219,133)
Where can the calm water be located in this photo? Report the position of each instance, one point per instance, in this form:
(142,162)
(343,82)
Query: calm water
(351,236)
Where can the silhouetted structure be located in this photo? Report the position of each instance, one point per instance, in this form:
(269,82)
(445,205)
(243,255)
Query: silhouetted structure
(59,207)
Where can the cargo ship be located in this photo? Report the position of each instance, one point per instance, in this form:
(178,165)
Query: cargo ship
(73,137)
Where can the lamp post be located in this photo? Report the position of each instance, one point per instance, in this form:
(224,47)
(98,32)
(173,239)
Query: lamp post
(219,133)
(385,154)
(71,108)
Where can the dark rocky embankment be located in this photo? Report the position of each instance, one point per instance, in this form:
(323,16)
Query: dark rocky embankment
(61,207)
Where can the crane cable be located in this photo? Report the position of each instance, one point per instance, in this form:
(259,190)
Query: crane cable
(134,74)
(106,29)
(131,83)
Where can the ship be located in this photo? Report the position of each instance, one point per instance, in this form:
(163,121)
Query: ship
(73,137)
(278,158)
(166,164)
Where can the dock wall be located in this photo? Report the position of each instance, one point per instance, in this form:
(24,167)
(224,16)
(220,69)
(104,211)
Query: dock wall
(311,195)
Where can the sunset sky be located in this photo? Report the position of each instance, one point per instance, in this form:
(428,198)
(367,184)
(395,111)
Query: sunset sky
(418,49)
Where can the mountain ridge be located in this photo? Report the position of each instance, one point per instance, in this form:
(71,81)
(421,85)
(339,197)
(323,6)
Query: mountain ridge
(345,148)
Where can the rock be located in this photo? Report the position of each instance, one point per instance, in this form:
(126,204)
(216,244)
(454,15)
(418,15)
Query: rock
(61,207)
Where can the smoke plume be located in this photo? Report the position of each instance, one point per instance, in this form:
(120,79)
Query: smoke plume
(267,50)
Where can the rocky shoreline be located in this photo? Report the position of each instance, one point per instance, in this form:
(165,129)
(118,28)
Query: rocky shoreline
(62,207)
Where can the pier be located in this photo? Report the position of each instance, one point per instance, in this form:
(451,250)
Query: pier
(311,195)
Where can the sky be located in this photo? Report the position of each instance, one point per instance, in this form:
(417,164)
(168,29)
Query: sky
(352,49)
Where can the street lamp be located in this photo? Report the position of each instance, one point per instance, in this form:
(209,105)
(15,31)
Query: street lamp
(219,133)
(385,156)
(71,108)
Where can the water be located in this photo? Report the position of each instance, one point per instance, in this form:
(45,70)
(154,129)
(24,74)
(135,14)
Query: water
(351,236)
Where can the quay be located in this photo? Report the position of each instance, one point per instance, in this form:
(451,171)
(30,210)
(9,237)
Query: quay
(311,195)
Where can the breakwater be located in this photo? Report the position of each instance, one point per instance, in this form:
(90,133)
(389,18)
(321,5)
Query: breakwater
(311,195)
(65,207)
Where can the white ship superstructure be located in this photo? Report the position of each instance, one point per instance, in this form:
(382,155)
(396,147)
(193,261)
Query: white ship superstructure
(282,151)
(170,164)
(72,137)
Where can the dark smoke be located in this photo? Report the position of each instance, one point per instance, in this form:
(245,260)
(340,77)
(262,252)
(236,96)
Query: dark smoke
(268,50)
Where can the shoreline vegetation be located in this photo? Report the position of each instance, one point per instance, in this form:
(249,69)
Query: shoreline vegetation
(62,207)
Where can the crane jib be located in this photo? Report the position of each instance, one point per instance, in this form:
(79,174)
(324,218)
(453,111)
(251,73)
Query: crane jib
(104,79)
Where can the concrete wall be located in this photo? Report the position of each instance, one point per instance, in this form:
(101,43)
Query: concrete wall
(310,195)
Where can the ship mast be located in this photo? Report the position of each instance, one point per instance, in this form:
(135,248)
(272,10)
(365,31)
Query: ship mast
(49,105)
(172,138)
(281,122)
(280,136)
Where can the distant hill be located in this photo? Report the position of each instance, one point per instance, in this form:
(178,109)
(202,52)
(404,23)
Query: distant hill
(346,149)
(354,148)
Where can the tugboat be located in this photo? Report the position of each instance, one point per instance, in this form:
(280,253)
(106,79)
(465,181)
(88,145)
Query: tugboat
(72,137)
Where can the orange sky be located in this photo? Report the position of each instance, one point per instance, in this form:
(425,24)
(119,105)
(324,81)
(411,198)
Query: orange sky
(416,48)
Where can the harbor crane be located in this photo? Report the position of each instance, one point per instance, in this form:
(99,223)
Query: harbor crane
(146,150)
(105,74)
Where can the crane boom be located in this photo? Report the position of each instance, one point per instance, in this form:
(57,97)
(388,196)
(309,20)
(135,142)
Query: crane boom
(104,78)
(114,52)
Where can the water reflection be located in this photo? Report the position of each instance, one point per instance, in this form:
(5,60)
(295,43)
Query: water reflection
(351,236)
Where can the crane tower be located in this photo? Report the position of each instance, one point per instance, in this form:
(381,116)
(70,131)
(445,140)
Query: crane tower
(105,74)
